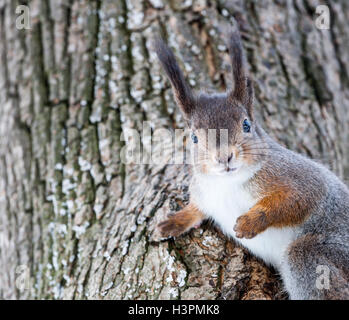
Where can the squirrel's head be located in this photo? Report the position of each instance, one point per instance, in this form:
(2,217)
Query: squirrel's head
(224,132)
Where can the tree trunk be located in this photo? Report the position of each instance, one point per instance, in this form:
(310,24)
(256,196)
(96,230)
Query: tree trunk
(77,222)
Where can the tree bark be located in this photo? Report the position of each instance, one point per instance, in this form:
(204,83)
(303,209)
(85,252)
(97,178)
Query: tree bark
(75,218)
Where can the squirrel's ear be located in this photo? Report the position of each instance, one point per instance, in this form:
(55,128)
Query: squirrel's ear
(182,91)
(243,87)
(249,99)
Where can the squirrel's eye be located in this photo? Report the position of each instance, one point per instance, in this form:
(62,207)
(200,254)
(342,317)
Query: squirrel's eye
(246,126)
(194,138)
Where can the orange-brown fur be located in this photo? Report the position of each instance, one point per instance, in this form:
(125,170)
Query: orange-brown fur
(280,205)
(182,221)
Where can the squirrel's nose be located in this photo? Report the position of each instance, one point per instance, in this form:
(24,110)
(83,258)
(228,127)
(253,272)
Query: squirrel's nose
(224,159)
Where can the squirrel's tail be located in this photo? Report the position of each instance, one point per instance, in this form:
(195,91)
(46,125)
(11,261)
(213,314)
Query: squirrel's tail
(314,269)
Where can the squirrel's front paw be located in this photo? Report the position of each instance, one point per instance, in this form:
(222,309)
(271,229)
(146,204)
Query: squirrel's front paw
(180,222)
(250,224)
(171,228)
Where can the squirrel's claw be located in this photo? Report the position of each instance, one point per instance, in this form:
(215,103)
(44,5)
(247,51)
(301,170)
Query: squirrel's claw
(246,235)
(248,226)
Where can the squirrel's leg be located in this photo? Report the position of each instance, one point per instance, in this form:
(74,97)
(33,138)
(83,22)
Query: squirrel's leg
(278,209)
(181,221)
(314,268)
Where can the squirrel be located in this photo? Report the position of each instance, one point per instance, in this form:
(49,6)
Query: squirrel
(286,209)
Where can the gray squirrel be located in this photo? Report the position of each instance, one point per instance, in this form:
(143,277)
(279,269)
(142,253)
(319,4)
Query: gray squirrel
(286,209)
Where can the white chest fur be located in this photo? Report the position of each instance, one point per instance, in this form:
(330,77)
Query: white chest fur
(224,199)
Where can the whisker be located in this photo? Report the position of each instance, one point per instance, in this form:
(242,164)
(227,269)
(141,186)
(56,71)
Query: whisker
(251,149)
(254,154)
(246,145)
(260,142)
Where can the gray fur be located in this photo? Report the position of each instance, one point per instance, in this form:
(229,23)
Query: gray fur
(319,201)
(323,241)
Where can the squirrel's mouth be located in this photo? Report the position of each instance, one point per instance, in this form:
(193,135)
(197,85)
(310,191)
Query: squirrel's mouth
(226,170)
(222,171)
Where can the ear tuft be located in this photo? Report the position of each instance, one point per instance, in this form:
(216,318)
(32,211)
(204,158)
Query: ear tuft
(182,91)
(249,98)
(238,65)
(243,86)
